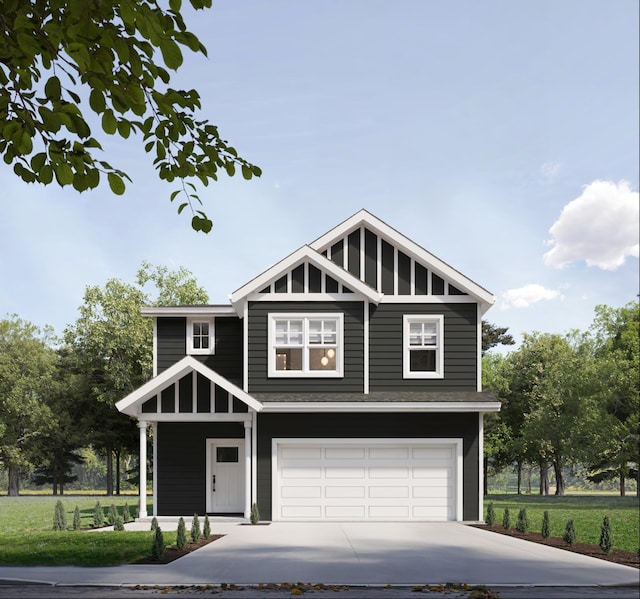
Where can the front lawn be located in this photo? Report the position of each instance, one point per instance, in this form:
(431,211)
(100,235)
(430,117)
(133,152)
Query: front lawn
(587,512)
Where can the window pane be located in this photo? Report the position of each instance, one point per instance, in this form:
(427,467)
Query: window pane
(226,454)
(196,328)
(204,327)
(422,360)
(322,359)
(196,343)
(288,358)
(205,343)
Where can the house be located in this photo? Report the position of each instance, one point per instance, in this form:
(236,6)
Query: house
(343,383)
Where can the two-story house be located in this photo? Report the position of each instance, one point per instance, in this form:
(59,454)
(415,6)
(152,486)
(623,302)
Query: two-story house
(343,383)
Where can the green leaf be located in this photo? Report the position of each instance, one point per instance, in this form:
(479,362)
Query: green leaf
(109,123)
(247,173)
(96,101)
(175,5)
(52,88)
(116,183)
(171,54)
(64,174)
(182,207)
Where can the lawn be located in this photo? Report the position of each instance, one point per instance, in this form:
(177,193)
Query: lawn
(587,512)
(27,537)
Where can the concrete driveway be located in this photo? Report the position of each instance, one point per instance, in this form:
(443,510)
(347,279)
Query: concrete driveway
(354,554)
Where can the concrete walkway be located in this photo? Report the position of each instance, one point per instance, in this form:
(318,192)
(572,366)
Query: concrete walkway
(352,554)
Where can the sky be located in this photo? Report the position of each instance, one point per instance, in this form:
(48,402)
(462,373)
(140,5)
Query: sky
(500,136)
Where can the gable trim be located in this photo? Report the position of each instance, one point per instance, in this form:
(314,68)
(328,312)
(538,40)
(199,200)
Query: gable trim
(130,404)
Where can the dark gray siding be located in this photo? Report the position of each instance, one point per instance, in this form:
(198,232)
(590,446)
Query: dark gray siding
(351,426)
(227,360)
(460,340)
(353,349)
(182,463)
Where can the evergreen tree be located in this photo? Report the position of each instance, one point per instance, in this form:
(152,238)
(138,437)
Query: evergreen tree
(570,536)
(76,519)
(491,515)
(195,529)
(157,549)
(506,519)
(546,527)
(98,516)
(606,539)
(181,537)
(206,532)
(113,514)
(154,523)
(522,523)
(59,517)
(126,514)
(118,523)
(255,514)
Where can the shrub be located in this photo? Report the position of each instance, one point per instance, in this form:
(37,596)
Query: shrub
(181,537)
(112,514)
(59,517)
(570,536)
(98,516)
(126,514)
(491,515)
(546,526)
(606,539)
(506,519)
(522,523)
(255,514)
(195,529)
(157,548)
(154,523)
(77,524)
(206,531)
(119,523)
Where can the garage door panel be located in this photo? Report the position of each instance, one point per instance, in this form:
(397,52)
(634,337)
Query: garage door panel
(345,472)
(301,512)
(307,491)
(301,453)
(385,492)
(435,492)
(389,453)
(433,473)
(390,512)
(301,472)
(389,472)
(341,453)
(432,453)
(333,492)
(345,512)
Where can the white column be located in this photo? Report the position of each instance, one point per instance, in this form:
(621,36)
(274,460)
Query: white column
(247,469)
(481,466)
(142,425)
(154,430)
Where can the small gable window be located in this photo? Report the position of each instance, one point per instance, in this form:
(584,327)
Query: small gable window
(305,345)
(423,347)
(200,336)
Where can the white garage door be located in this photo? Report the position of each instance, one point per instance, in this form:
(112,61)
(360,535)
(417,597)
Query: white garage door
(367,479)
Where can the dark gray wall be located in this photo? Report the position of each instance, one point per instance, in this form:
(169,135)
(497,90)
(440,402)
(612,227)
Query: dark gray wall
(351,426)
(386,352)
(352,382)
(182,464)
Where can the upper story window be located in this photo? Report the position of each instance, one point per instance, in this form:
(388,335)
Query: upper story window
(306,345)
(423,347)
(200,336)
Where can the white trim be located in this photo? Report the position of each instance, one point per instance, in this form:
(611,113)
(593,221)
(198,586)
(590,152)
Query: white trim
(132,403)
(211,322)
(362,256)
(245,345)
(366,348)
(211,311)
(304,297)
(427,299)
(371,406)
(142,463)
(210,444)
(456,442)
(198,417)
(305,347)
(247,468)
(155,346)
(254,457)
(478,349)
(154,429)
(438,373)
(481,467)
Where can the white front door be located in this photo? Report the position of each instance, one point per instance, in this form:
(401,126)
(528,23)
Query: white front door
(225,474)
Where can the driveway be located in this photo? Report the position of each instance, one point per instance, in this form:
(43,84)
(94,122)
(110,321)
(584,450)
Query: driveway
(354,554)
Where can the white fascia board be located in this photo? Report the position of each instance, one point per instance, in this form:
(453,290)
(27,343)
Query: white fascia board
(412,249)
(371,406)
(305,253)
(129,404)
(217,310)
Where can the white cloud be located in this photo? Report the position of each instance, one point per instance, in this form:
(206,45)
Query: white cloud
(601,227)
(550,169)
(523,297)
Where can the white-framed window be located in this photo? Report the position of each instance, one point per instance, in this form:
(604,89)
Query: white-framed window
(306,345)
(423,346)
(200,335)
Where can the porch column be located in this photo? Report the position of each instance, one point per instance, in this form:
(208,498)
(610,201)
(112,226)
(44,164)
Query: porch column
(247,469)
(142,425)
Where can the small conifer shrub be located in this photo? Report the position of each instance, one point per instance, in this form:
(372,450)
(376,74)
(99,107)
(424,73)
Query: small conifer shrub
(570,536)
(181,536)
(206,531)
(157,548)
(506,519)
(491,515)
(154,523)
(546,526)
(119,523)
(98,516)
(112,514)
(59,517)
(77,523)
(195,529)
(255,514)
(126,513)
(522,523)
(606,539)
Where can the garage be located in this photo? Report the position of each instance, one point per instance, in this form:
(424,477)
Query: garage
(367,479)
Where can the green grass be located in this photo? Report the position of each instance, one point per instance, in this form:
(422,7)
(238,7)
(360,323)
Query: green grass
(587,512)
(27,537)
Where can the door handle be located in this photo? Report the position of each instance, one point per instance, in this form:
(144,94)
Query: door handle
(213,482)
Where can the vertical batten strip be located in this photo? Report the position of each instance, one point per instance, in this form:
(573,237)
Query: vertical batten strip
(395,270)
(194,391)
(362,253)
(379,264)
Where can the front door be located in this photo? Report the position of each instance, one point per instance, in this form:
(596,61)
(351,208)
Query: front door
(226,476)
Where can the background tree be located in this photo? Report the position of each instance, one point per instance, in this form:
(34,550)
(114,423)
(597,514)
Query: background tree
(493,335)
(56,55)
(27,366)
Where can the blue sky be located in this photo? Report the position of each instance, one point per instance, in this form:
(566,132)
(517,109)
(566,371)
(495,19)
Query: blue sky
(501,136)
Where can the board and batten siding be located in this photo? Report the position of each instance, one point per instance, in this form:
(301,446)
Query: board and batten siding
(386,347)
(182,463)
(351,382)
(227,359)
(370,425)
